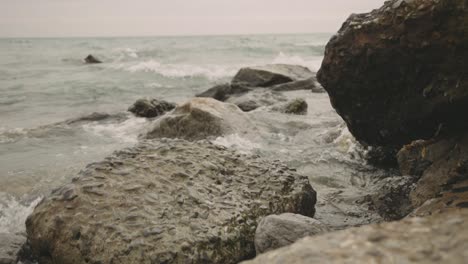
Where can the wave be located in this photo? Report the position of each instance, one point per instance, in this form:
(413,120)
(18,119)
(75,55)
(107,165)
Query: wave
(212,72)
(241,144)
(126,131)
(313,63)
(13,212)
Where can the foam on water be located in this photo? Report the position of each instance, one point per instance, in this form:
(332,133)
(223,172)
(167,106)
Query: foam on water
(13,212)
(243,145)
(126,131)
(312,64)
(211,72)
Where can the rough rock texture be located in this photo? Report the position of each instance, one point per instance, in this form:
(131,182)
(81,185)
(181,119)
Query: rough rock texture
(223,91)
(201,118)
(10,246)
(297,107)
(150,107)
(307,84)
(270,75)
(275,231)
(257,98)
(396,74)
(392,200)
(168,201)
(91,59)
(442,238)
(440,165)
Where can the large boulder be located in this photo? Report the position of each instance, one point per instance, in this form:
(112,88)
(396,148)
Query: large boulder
(442,238)
(275,231)
(149,108)
(201,118)
(399,73)
(169,201)
(270,75)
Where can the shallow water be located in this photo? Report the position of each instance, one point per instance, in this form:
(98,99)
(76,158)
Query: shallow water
(44,83)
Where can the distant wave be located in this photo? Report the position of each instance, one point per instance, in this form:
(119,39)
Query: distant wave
(313,64)
(211,72)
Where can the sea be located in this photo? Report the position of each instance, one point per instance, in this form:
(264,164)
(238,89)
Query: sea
(47,94)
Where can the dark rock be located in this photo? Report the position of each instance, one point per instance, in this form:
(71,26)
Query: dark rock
(168,201)
(91,59)
(270,75)
(296,107)
(396,74)
(201,118)
(382,157)
(275,231)
(438,164)
(441,238)
(248,106)
(391,200)
(223,92)
(10,247)
(150,107)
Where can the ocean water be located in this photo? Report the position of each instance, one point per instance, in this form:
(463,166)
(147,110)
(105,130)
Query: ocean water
(45,88)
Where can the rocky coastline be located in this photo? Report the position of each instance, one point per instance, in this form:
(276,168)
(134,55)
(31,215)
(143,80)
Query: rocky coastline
(397,78)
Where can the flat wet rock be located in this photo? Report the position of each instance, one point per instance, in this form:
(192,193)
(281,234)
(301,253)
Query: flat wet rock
(270,75)
(442,238)
(168,201)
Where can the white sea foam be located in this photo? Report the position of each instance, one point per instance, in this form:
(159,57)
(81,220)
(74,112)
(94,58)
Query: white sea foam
(13,212)
(126,132)
(313,64)
(8,135)
(209,71)
(243,145)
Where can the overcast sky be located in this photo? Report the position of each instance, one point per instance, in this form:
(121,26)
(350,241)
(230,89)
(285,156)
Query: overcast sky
(59,18)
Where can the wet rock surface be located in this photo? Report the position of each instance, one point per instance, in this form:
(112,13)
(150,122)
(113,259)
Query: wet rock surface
(270,75)
(201,118)
(257,98)
(398,74)
(441,238)
(275,231)
(168,201)
(223,91)
(441,165)
(149,108)
(297,107)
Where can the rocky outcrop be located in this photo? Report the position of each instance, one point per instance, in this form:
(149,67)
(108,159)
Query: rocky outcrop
(90,59)
(275,231)
(441,165)
(270,75)
(168,201)
(441,238)
(150,107)
(201,118)
(399,73)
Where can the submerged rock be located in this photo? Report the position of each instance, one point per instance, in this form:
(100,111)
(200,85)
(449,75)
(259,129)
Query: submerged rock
(437,239)
(396,74)
(201,118)
(270,75)
(256,98)
(150,107)
(223,91)
(168,201)
(10,247)
(275,231)
(91,59)
(297,107)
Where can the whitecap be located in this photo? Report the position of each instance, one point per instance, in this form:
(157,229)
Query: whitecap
(13,212)
(313,63)
(126,131)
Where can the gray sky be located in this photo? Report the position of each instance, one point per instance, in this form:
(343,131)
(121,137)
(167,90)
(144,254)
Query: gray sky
(58,18)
